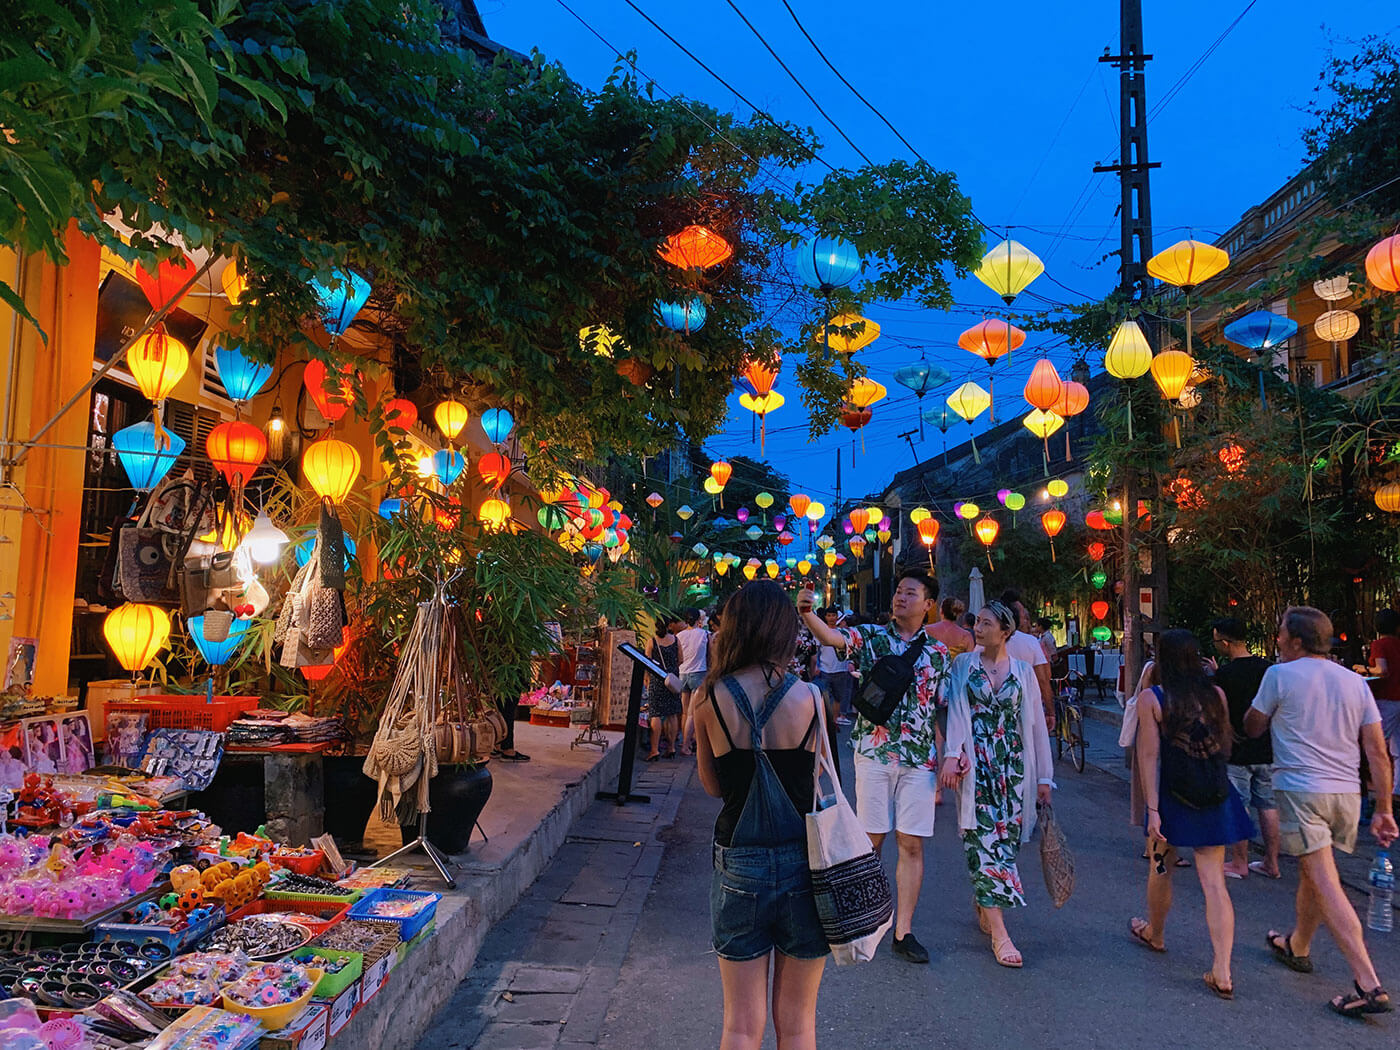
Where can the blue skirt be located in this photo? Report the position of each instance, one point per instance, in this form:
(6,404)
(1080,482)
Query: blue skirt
(1220,825)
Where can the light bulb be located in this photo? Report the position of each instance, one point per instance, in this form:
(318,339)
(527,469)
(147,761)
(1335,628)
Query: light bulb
(265,540)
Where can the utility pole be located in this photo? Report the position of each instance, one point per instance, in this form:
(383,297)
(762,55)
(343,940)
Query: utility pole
(1135,248)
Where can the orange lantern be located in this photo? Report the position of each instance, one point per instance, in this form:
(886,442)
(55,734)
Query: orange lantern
(331,468)
(987,530)
(721,471)
(400,413)
(696,248)
(1073,399)
(494,469)
(991,339)
(319,672)
(760,376)
(865,392)
(1099,609)
(857,545)
(449,515)
(162,287)
(1232,457)
(799,504)
(323,388)
(494,514)
(860,518)
(1052,521)
(135,633)
(1095,520)
(1044,388)
(236,448)
(928,531)
(1096,551)
(1171,369)
(1383,264)
(849,333)
(157,361)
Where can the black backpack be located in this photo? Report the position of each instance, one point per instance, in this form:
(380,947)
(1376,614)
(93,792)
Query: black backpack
(1195,767)
(887,683)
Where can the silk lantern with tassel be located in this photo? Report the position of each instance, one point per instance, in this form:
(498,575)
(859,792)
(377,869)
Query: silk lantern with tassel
(157,361)
(1171,370)
(968,402)
(1129,356)
(991,340)
(1261,331)
(1052,521)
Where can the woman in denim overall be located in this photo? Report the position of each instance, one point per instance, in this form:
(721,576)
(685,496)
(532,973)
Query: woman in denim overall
(761,901)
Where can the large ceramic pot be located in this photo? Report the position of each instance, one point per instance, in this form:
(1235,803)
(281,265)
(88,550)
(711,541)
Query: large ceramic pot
(457,795)
(350,799)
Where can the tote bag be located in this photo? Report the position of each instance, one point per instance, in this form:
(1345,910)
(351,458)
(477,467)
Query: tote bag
(849,885)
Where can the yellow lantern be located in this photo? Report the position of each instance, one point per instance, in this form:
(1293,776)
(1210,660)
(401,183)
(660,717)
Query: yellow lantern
(847,333)
(494,513)
(751,568)
(1337,326)
(450,417)
(1187,263)
(600,340)
(919,514)
(136,633)
(234,283)
(804,566)
(713,487)
(816,511)
(1171,369)
(771,567)
(857,545)
(684,512)
(829,558)
(1129,354)
(865,392)
(968,511)
(987,530)
(968,402)
(331,468)
(722,567)
(157,361)
(1388,497)
(1058,488)
(1008,268)
(1042,424)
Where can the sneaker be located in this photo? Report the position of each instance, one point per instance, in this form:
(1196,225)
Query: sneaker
(908,947)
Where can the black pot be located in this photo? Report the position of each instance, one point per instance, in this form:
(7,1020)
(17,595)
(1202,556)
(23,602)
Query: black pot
(350,798)
(457,795)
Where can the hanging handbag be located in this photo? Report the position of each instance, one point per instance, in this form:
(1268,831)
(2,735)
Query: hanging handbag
(849,885)
(332,537)
(884,687)
(1056,860)
(203,580)
(325,618)
(145,561)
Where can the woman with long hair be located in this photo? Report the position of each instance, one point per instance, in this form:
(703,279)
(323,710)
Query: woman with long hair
(756,738)
(997,734)
(1185,720)
(664,706)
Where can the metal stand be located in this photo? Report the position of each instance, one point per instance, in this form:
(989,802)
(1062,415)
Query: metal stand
(623,794)
(591,735)
(439,861)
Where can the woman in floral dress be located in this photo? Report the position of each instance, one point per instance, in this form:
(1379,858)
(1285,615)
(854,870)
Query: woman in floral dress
(997,755)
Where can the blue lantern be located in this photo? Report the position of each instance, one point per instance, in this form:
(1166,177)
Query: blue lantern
(498,423)
(920,378)
(303,550)
(753,532)
(828,263)
(448,465)
(389,507)
(242,377)
(1259,331)
(682,317)
(341,300)
(593,551)
(216,654)
(720,524)
(146,464)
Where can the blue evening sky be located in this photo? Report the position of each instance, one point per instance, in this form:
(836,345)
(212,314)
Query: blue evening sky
(1010,97)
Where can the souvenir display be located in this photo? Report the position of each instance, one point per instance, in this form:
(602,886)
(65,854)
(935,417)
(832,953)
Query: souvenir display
(260,936)
(191,754)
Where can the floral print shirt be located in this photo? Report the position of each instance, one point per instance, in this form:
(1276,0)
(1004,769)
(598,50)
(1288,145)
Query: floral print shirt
(807,648)
(909,736)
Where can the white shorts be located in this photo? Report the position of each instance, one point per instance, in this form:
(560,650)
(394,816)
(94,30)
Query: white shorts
(895,797)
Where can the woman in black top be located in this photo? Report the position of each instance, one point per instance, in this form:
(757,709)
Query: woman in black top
(756,744)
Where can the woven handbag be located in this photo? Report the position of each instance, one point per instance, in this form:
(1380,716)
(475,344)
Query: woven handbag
(849,885)
(1056,860)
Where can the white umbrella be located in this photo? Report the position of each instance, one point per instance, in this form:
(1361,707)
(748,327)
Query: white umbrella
(975,596)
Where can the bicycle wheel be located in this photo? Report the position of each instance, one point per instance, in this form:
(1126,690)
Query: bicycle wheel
(1074,731)
(1059,731)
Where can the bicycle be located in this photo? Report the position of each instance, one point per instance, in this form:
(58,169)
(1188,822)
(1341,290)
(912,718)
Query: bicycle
(1069,723)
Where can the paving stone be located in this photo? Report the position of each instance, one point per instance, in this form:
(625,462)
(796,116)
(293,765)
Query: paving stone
(564,944)
(591,914)
(518,1037)
(593,888)
(535,979)
(542,1008)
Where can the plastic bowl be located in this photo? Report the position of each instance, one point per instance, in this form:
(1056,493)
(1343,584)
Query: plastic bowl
(274,1018)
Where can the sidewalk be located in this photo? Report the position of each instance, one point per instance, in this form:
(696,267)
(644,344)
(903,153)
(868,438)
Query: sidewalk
(547,972)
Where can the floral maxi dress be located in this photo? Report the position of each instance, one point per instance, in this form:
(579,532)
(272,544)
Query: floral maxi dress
(998,766)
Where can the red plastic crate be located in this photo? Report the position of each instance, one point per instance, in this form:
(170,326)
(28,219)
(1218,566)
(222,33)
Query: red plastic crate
(187,712)
(324,916)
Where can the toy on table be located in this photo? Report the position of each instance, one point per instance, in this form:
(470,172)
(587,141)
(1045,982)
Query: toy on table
(180,990)
(208,1028)
(259,936)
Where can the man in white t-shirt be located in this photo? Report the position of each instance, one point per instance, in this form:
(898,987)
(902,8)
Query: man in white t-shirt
(695,660)
(1320,716)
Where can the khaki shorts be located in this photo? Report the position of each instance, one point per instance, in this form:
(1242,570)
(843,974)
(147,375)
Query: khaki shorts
(1309,821)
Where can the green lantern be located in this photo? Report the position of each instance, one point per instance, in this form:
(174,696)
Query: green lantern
(1098,579)
(1101,634)
(1113,515)
(1015,501)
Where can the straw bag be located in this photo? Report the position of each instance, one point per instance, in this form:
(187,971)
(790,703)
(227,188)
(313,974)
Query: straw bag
(849,885)
(1055,857)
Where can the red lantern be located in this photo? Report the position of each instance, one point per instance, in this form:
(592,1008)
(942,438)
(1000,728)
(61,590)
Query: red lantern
(322,388)
(785,538)
(1096,551)
(448,517)
(1095,520)
(928,531)
(1099,609)
(696,248)
(237,448)
(855,418)
(161,287)
(494,469)
(1232,456)
(400,413)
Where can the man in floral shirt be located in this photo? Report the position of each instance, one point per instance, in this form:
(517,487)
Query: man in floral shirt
(896,764)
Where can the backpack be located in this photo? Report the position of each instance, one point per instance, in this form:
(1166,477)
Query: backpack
(1194,766)
(887,683)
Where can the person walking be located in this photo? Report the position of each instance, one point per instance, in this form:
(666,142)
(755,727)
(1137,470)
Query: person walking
(1184,722)
(1384,665)
(998,757)
(695,648)
(664,706)
(1320,716)
(896,764)
(756,737)
(833,673)
(954,636)
(1045,635)
(1024,646)
(1251,759)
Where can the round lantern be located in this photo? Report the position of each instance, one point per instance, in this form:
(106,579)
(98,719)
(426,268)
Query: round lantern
(237,448)
(687,317)
(1388,497)
(827,263)
(331,468)
(451,417)
(494,514)
(1098,579)
(696,248)
(1008,268)
(135,633)
(1099,609)
(919,514)
(1015,501)
(1337,326)
(848,333)
(713,487)
(815,511)
(987,530)
(1095,520)
(928,531)
(1101,633)
(447,465)
(341,298)
(968,511)
(1129,355)
(494,469)
(157,361)
(241,376)
(400,413)
(1097,551)
(764,499)
(497,424)
(1044,388)
(1383,264)
(331,395)
(1171,369)
(743,515)
(721,471)
(145,457)
(1073,399)
(1058,488)
(1187,263)
(1052,521)
(799,504)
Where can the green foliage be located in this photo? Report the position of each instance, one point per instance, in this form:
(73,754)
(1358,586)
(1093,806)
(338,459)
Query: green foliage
(1354,140)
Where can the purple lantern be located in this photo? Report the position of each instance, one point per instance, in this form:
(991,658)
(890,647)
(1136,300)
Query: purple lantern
(742,514)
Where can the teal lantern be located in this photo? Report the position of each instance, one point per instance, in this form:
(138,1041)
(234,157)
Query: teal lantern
(685,317)
(827,263)
(448,465)
(753,532)
(216,654)
(341,299)
(551,517)
(498,423)
(241,376)
(144,461)
(1101,634)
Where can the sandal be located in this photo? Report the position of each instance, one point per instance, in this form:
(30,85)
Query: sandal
(1257,866)
(1282,948)
(981,919)
(1356,1002)
(651,758)
(1223,991)
(1138,928)
(1007,954)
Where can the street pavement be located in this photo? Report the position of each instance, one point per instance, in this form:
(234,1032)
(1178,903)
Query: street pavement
(610,948)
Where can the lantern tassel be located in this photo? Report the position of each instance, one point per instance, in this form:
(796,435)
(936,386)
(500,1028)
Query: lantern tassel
(1068,457)
(1045,453)
(1130,415)
(1052,548)
(1263,401)
(976,457)
(1176,427)
(990,566)
(161,439)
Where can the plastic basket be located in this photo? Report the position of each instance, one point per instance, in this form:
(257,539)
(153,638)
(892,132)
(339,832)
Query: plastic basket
(316,916)
(381,938)
(347,898)
(332,984)
(410,926)
(308,864)
(186,712)
(175,940)
(274,1018)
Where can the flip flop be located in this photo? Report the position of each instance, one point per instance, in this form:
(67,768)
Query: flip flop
(1257,866)
(1232,874)
(1138,928)
(1280,944)
(1215,986)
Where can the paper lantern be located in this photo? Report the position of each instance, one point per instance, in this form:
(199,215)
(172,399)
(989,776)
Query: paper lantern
(804,566)
(655,499)
(237,449)
(1073,399)
(1015,501)
(687,317)
(827,263)
(1189,399)
(1233,458)
(331,468)
(1170,370)
(721,471)
(1096,551)
(1058,488)
(162,287)
(494,513)
(1098,579)
(1099,609)
(919,514)
(758,378)
(865,392)
(857,545)
(848,333)
(1337,326)
(1383,264)
(854,418)
(928,531)
(146,457)
(600,341)
(751,568)
(860,517)
(497,423)
(331,394)
(968,511)
(451,417)
(1042,424)
(1261,330)
(494,469)
(684,512)
(1129,355)
(1052,521)
(695,248)
(1101,634)
(217,653)
(969,401)
(341,298)
(771,567)
(764,499)
(447,465)
(135,633)
(799,504)
(233,283)
(1008,268)
(400,413)
(389,507)
(157,361)
(241,376)
(1388,497)
(986,531)
(1187,263)
(991,339)
(713,487)
(1044,388)
(1332,289)
(815,511)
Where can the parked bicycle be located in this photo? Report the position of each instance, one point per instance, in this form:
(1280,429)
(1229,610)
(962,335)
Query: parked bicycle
(1069,719)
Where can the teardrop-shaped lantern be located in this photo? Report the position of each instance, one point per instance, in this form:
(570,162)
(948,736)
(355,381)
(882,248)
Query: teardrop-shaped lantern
(1171,369)
(331,468)
(400,413)
(451,418)
(241,376)
(494,513)
(237,449)
(342,296)
(135,633)
(447,465)
(1044,387)
(494,469)
(162,286)
(331,393)
(497,423)
(157,361)
(1129,354)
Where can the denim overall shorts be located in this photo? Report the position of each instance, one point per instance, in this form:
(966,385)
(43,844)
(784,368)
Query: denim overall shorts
(761,891)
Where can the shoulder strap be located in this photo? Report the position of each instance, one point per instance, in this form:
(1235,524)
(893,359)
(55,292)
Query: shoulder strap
(916,646)
(722,724)
(741,701)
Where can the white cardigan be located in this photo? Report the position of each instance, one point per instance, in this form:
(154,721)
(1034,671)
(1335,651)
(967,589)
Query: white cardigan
(1035,741)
